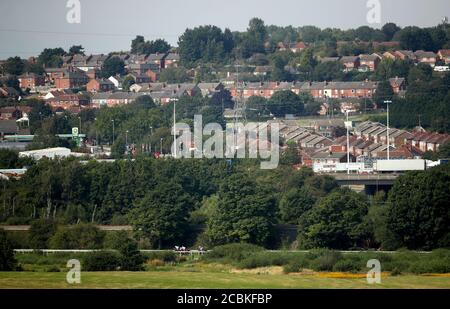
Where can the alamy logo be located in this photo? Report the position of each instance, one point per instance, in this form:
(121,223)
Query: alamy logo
(74,274)
(374,13)
(253,140)
(374,274)
(74,14)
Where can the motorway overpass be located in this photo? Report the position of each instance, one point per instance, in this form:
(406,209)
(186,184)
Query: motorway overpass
(369,183)
(364,179)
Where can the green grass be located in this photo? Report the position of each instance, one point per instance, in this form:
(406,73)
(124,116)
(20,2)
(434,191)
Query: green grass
(206,279)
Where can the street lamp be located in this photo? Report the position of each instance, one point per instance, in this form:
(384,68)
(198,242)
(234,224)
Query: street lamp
(96,133)
(113,130)
(160,145)
(79,131)
(126,137)
(348,125)
(387,102)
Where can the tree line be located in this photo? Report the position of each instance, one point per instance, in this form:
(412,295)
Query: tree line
(213,202)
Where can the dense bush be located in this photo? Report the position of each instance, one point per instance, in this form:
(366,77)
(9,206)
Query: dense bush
(326,260)
(350,263)
(101,261)
(265,258)
(165,256)
(130,257)
(7,260)
(232,253)
(40,233)
(81,236)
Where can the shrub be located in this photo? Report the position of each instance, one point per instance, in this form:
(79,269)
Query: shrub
(40,232)
(295,266)
(156,262)
(326,260)
(352,263)
(165,256)
(264,258)
(131,258)
(81,236)
(396,272)
(114,239)
(7,260)
(19,239)
(53,269)
(439,266)
(232,253)
(101,261)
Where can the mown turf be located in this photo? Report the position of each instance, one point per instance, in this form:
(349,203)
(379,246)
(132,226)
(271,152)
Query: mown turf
(186,279)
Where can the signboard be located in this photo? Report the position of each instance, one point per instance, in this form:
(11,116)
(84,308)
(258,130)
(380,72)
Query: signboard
(348,124)
(74,132)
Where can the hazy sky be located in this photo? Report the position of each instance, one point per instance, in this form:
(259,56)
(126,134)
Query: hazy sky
(26,27)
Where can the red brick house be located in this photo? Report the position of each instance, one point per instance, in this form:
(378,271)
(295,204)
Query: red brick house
(153,75)
(157,59)
(71,79)
(171,60)
(370,61)
(444,55)
(31,80)
(427,57)
(294,47)
(100,85)
(67,101)
(350,63)
(406,55)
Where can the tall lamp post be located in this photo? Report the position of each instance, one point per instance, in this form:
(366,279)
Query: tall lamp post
(113,130)
(96,133)
(151,136)
(174,131)
(348,125)
(79,131)
(160,145)
(387,102)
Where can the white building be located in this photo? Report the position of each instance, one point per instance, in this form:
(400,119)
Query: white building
(50,153)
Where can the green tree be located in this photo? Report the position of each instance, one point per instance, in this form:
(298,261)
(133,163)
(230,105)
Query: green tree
(384,93)
(294,204)
(421,72)
(418,214)
(205,44)
(8,158)
(257,108)
(7,260)
(285,102)
(14,66)
(414,38)
(40,233)
(131,257)
(328,71)
(76,50)
(245,213)
(161,215)
(336,222)
(112,66)
(389,30)
(127,82)
(443,152)
(51,57)
(291,155)
(255,38)
(174,75)
(80,236)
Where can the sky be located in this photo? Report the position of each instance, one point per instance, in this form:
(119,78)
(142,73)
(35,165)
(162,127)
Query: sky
(27,27)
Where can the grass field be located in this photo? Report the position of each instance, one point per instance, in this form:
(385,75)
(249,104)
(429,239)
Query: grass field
(205,279)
